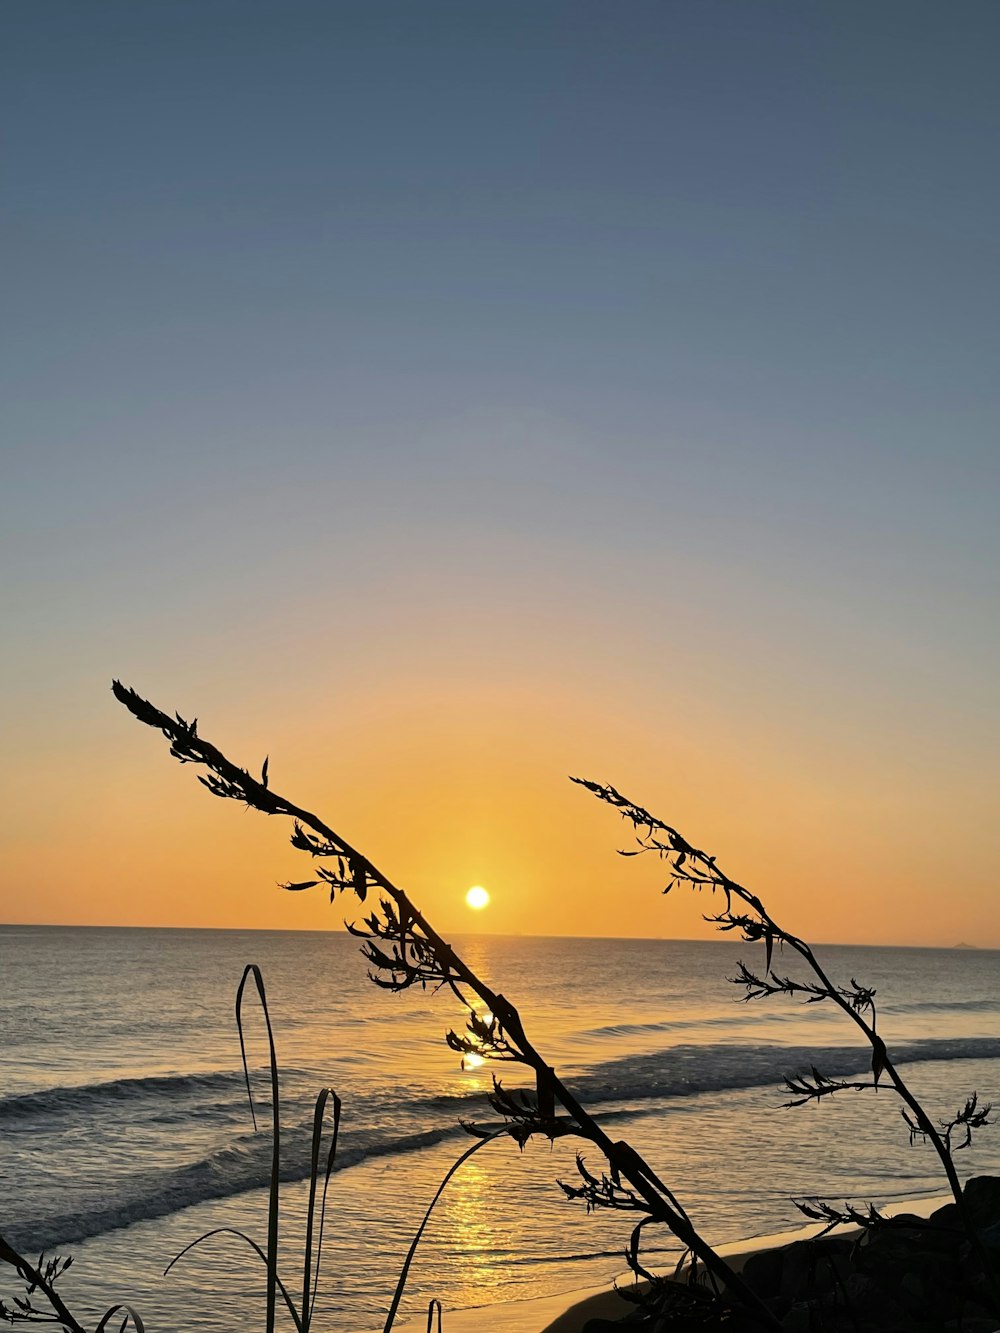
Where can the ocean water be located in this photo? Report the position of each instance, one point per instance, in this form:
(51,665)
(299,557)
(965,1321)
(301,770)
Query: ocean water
(125,1132)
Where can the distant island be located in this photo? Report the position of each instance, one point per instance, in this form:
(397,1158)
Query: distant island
(963,945)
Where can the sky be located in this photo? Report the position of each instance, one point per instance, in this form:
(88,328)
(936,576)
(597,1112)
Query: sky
(446,398)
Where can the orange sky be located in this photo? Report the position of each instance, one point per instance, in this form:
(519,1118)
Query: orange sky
(445,400)
(460,784)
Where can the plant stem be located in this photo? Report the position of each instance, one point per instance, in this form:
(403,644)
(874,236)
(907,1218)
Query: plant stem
(31,1274)
(883,1061)
(188,746)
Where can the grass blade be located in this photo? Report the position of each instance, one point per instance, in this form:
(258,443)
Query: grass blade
(309,1301)
(460,1161)
(241,1235)
(137,1323)
(252,970)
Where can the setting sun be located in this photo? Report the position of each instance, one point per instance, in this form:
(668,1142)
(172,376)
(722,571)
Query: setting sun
(477,898)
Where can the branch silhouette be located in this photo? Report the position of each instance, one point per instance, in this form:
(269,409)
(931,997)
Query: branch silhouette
(403,949)
(746,913)
(42,1277)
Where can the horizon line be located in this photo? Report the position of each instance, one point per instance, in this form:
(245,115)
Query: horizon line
(498,935)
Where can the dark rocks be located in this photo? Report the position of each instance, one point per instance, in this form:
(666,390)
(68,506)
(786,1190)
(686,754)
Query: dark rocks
(982,1199)
(907,1274)
(947,1216)
(763,1272)
(607,1325)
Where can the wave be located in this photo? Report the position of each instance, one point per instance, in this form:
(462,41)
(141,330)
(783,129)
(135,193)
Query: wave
(683,1071)
(731,1019)
(726,1020)
(155,1090)
(244,1163)
(989,1004)
(243,1166)
(677,1070)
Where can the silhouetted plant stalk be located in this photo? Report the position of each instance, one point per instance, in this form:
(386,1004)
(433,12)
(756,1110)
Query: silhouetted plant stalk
(42,1277)
(302,1316)
(744,912)
(404,950)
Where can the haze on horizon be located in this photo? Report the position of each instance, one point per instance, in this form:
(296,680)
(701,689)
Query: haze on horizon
(446,399)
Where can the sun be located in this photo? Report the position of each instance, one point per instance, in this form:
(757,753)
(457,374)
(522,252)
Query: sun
(477,898)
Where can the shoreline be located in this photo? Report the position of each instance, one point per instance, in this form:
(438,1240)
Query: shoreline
(569,1311)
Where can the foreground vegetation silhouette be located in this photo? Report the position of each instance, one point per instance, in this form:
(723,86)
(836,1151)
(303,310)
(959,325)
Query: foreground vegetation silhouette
(321,1165)
(403,950)
(828,1291)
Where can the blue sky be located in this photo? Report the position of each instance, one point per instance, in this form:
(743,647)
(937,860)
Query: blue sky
(641,351)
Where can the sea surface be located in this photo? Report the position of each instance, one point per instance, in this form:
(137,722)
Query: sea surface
(125,1131)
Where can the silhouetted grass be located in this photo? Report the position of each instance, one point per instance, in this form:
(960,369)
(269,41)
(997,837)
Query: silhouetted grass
(303,1315)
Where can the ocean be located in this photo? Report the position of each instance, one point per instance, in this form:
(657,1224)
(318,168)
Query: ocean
(125,1131)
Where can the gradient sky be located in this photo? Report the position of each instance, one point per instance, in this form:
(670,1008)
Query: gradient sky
(444,398)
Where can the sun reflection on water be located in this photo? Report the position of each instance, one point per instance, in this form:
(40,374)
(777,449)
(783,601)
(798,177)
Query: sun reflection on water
(472,1232)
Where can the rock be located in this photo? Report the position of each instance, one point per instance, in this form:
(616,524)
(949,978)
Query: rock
(608,1325)
(762,1272)
(796,1271)
(904,1275)
(908,1222)
(912,1294)
(869,1300)
(799,1319)
(982,1199)
(813,1267)
(947,1215)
